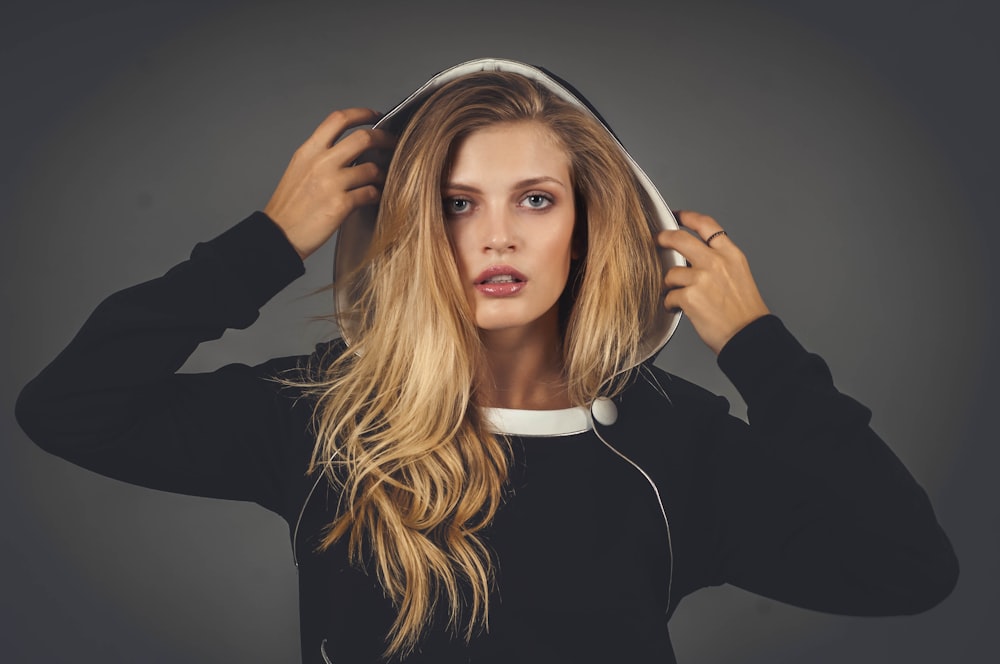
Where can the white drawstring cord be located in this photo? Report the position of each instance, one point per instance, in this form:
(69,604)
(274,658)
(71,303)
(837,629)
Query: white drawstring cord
(659,500)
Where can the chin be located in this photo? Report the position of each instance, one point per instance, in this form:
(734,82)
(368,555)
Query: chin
(491,324)
(509,314)
(511,320)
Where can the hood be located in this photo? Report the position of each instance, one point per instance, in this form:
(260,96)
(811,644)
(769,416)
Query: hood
(356,232)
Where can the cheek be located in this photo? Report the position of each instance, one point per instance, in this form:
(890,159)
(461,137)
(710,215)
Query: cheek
(458,251)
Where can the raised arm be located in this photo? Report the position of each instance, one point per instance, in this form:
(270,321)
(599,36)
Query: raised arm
(807,504)
(112,401)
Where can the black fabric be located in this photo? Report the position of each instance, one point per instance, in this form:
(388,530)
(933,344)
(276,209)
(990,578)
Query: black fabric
(805,504)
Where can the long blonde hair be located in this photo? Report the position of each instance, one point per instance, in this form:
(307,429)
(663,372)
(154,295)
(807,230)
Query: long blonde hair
(398,422)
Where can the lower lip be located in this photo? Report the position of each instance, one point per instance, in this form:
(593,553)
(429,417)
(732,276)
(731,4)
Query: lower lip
(507,289)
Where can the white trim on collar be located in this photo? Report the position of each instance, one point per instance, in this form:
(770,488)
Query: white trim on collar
(538,423)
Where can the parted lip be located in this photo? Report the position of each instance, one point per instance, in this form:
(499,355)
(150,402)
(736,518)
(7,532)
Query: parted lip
(496,270)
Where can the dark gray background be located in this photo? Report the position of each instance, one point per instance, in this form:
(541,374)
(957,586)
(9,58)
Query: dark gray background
(848,147)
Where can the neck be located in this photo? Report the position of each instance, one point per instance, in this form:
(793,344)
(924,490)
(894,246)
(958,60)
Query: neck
(526,367)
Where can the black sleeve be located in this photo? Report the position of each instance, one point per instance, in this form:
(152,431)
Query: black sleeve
(112,401)
(812,507)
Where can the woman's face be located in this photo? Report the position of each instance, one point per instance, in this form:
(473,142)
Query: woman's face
(508,205)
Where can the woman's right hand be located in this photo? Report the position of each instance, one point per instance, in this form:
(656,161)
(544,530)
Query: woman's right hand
(320,187)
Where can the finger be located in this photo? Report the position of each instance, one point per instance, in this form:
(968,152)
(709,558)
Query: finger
(352,146)
(673,300)
(693,249)
(678,277)
(339,121)
(704,225)
(367,195)
(363,174)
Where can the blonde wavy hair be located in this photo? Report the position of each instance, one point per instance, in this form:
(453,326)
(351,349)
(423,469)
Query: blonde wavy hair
(398,422)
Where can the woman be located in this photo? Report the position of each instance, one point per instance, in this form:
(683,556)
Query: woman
(487,467)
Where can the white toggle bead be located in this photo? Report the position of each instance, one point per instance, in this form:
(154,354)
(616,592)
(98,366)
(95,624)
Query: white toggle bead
(605,411)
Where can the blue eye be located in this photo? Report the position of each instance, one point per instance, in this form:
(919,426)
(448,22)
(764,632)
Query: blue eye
(456,205)
(538,201)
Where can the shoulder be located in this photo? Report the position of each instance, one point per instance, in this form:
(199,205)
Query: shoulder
(328,351)
(661,405)
(298,373)
(673,392)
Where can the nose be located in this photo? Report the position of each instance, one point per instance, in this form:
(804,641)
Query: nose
(499,232)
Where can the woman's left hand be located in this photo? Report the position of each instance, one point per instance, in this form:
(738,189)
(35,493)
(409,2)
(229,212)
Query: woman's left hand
(716,291)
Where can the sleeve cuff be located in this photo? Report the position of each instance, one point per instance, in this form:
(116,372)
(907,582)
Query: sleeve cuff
(258,256)
(760,357)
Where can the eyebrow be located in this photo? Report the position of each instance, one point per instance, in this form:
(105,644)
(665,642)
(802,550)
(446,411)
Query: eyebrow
(529,182)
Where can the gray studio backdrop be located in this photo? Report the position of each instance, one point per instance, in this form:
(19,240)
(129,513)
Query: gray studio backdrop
(848,151)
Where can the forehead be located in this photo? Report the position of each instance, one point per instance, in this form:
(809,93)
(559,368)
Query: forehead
(509,147)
